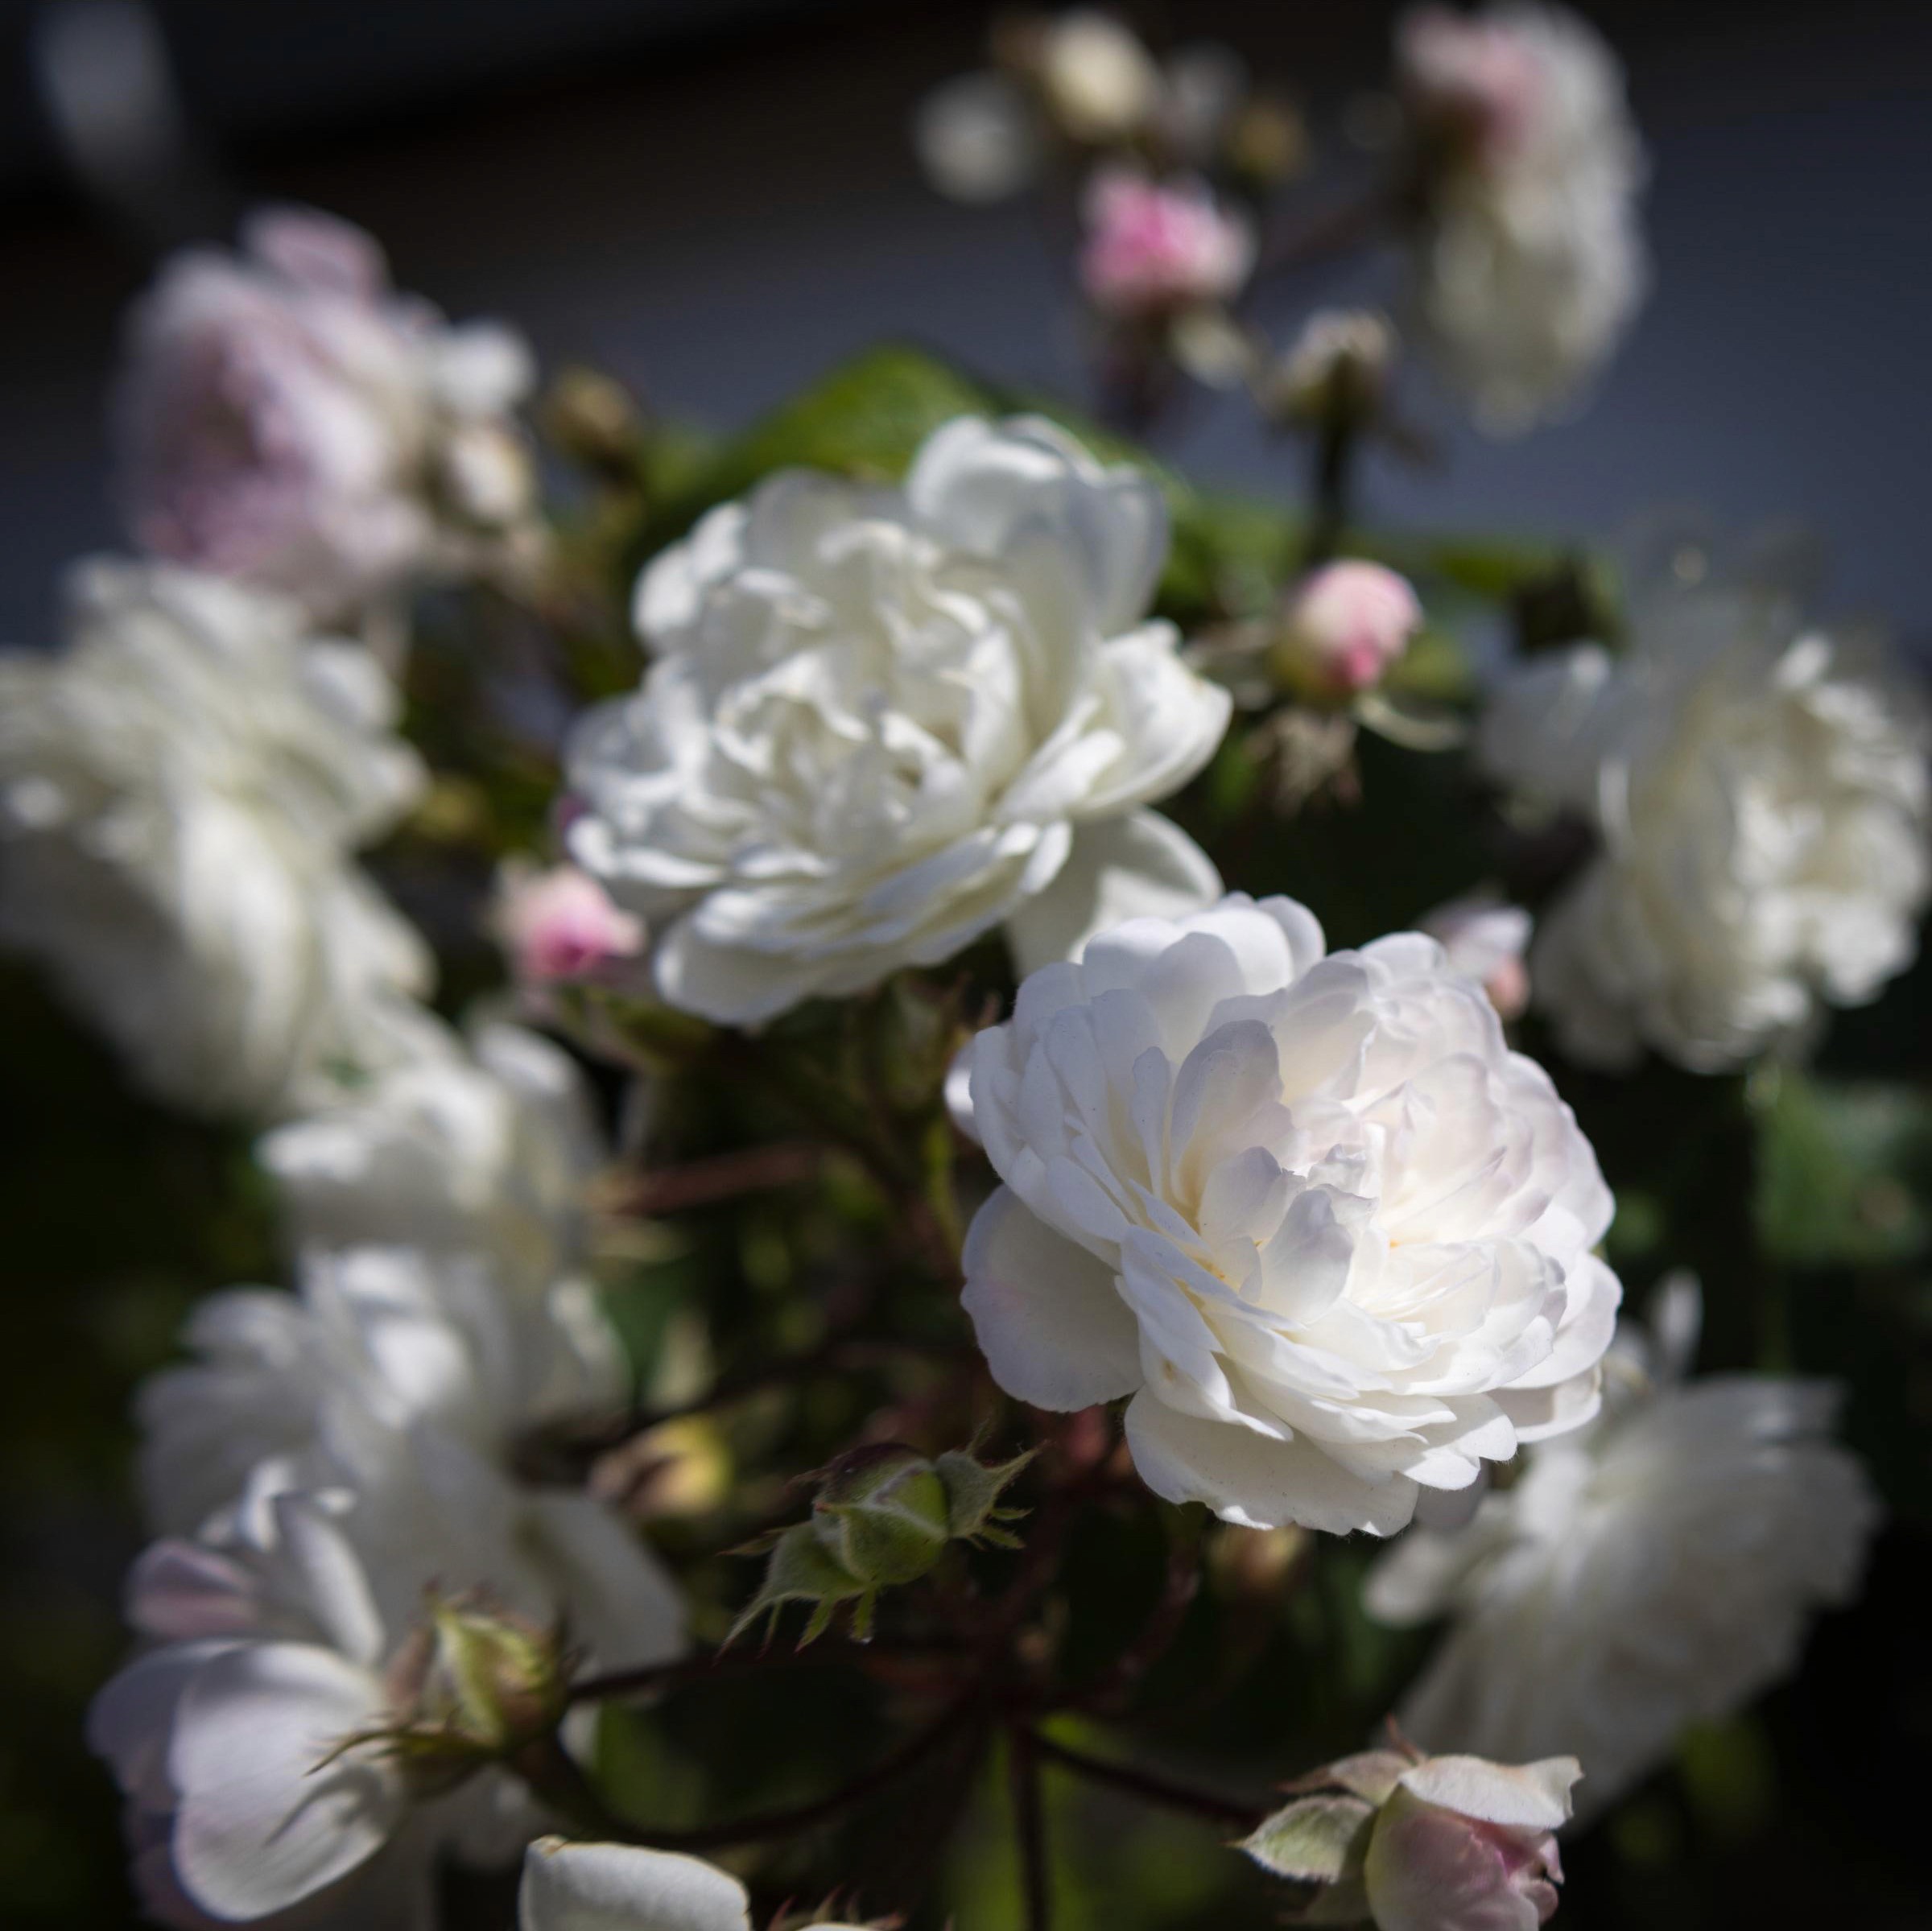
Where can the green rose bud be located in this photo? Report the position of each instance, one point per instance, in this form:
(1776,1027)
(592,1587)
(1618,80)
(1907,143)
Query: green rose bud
(882,1514)
(473,1685)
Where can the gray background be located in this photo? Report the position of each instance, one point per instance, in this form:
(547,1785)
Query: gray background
(716,199)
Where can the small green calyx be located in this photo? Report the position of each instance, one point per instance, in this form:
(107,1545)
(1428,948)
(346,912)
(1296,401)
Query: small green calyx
(473,1685)
(883,1515)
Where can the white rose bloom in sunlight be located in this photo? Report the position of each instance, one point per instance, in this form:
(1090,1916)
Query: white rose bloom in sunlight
(1760,792)
(490,1151)
(1656,1570)
(571,1887)
(280,1635)
(1331,1236)
(180,789)
(379,1344)
(288,419)
(1529,261)
(882,721)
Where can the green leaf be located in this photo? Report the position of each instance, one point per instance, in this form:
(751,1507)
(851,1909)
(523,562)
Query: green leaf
(1317,1839)
(1842,1171)
(864,420)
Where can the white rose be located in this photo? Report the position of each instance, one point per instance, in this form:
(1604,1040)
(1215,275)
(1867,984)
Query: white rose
(884,720)
(488,1151)
(379,1344)
(1530,262)
(1761,795)
(1311,1213)
(287,420)
(278,1637)
(180,789)
(569,1887)
(1654,1570)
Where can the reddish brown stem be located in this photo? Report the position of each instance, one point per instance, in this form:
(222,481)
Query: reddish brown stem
(1153,1788)
(796,1818)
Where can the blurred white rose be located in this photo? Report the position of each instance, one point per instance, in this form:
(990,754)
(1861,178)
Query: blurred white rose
(1529,261)
(1311,1213)
(882,721)
(286,419)
(488,1151)
(280,1637)
(1760,792)
(181,788)
(576,1887)
(1153,248)
(340,1379)
(1656,1570)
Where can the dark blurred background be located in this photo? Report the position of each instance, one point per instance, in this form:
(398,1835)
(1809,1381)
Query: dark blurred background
(716,200)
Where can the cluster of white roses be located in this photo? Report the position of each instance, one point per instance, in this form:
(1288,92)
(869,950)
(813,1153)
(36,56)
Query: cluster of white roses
(1333,1240)
(335,1464)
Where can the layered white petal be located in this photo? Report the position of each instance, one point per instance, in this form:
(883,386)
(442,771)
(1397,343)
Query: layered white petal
(623,1888)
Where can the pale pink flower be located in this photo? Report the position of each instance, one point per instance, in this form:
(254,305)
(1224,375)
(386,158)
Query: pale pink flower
(1155,247)
(1486,939)
(286,419)
(1473,75)
(1409,1842)
(1344,626)
(561,926)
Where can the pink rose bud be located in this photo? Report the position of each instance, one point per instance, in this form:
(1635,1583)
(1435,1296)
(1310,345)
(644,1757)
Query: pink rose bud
(1408,1842)
(1473,79)
(1153,248)
(1486,940)
(560,926)
(1342,629)
(1465,1845)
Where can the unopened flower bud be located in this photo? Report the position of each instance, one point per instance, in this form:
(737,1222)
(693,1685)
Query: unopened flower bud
(1414,1843)
(592,418)
(881,1514)
(1267,141)
(1099,83)
(488,479)
(561,926)
(1336,372)
(1342,628)
(1486,939)
(471,1684)
(1157,248)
